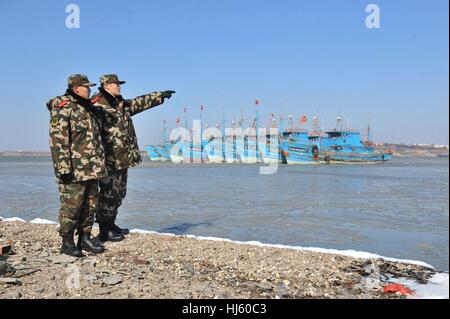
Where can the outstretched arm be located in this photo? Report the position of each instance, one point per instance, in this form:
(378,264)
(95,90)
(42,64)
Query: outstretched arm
(145,102)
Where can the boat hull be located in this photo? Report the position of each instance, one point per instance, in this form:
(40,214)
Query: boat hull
(153,154)
(343,157)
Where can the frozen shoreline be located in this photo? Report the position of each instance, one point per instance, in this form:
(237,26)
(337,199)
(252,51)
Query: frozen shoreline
(199,267)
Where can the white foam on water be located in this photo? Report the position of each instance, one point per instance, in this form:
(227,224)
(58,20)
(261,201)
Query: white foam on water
(142,231)
(14,219)
(436,288)
(348,253)
(43,221)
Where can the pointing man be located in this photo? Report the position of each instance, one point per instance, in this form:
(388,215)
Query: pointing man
(121,147)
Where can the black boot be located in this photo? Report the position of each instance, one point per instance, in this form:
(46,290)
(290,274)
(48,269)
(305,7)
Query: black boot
(117,229)
(108,234)
(86,243)
(68,246)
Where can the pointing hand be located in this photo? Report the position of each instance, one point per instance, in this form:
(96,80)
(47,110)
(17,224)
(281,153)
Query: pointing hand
(167,94)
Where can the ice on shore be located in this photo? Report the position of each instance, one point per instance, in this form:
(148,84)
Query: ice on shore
(437,287)
(43,221)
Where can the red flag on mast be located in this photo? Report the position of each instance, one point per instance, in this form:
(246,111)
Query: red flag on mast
(257,102)
(303,119)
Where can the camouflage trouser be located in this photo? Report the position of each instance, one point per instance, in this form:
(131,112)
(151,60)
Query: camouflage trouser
(113,189)
(78,206)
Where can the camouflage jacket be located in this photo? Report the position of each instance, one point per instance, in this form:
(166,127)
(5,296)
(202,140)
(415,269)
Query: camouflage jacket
(75,138)
(119,136)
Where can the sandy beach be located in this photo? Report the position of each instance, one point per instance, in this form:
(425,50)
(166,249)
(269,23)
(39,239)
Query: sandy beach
(160,266)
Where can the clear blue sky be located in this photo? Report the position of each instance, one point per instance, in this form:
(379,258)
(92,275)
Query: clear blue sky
(299,57)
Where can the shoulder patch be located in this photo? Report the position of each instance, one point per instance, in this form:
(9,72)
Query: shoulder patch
(54,121)
(95,99)
(62,103)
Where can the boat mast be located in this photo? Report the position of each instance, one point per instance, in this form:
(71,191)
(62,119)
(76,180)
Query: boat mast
(280,125)
(369,134)
(201,134)
(164,132)
(339,123)
(223,133)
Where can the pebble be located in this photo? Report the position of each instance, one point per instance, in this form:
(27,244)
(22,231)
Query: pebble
(15,294)
(188,268)
(62,259)
(90,277)
(4,268)
(10,281)
(112,280)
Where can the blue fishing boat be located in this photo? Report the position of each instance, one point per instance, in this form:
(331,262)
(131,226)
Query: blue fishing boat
(247,146)
(248,150)
(176,152)
(152,153)
(231,153)
(272,151)
(298,147)
(164,151)
(213,151)
(186,151)
(194,151)
(346,146)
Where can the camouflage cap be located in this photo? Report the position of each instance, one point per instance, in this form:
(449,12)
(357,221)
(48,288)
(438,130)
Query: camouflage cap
(79,80)
(110,78)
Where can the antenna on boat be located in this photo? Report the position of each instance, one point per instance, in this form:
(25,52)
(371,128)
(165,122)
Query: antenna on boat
(164,132)
(315,125)
(241,121)
(256,121)
(201,123)
(185,118)
(280,125)
(270,121)
(339,123)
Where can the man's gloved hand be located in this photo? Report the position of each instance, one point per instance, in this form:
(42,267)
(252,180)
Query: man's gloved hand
(167,94)
(66,178)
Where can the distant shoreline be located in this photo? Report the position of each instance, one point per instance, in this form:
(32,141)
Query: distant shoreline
(34,154)
(410,150)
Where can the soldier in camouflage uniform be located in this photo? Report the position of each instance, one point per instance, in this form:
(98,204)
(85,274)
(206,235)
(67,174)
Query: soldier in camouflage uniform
(79,162)
(121,147)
